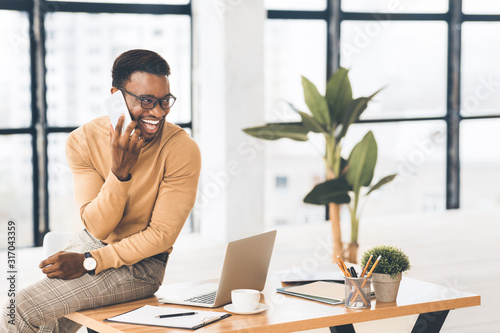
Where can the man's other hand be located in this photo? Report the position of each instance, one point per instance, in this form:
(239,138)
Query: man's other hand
(64,265)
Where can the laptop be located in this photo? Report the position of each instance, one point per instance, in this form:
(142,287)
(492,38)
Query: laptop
(245,267)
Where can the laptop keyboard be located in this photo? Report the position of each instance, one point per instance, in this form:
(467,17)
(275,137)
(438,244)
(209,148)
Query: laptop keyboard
(205,298)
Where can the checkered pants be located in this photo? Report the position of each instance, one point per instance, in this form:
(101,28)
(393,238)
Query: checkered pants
(42,306)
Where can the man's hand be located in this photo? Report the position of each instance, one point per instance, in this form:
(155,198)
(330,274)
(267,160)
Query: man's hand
(125,148)
(64,265)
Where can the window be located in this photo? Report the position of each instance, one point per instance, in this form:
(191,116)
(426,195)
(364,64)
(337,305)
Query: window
(480,93)
(400,6)
(15,81)
(281,182)
(16,167)
(406,59)
(16,189)
(441,88)
(70,71)
(480,162)
(73,65)
(292,48)
(286,59)
(480,7)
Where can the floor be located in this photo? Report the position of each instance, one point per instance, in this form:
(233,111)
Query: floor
(457,249)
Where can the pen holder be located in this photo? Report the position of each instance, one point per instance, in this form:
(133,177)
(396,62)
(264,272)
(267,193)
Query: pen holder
(357,292)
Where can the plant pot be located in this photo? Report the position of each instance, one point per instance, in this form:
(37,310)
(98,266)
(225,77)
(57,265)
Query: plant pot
(386,288)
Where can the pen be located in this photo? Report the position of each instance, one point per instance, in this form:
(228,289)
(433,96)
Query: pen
(353,272)
(176,314)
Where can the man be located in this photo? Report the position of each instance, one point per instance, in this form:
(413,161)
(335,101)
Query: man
(134,190)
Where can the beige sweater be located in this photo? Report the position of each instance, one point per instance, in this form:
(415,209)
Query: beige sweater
(141,217)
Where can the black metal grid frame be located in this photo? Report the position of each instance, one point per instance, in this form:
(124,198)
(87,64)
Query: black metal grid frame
(39,129)
(334,16)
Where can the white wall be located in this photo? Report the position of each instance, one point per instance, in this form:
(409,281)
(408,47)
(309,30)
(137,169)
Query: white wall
(228,90)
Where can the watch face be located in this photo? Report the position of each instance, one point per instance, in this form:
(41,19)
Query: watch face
(89,264)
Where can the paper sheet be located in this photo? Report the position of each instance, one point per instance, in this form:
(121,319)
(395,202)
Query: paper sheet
(146,315)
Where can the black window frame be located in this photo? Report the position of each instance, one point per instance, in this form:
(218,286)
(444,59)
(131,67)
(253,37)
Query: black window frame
(39,130)
(454,18)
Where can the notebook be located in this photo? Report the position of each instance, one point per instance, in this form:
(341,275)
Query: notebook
(321,291)
(246,264)
(150,315)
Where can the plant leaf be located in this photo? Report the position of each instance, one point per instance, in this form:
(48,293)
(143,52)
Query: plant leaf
(333,190)
(315,102)
(338,94)
(277,131)
(352,113)
(310,123)
(382,182)
(362,162)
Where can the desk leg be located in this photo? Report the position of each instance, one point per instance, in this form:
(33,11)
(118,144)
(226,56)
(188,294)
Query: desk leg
(342,329)
(430,322)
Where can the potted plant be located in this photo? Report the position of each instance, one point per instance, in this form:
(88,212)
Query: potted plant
(330,115)
(346,188)
(387,274)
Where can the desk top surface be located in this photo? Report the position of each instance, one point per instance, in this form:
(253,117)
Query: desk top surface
(288,313)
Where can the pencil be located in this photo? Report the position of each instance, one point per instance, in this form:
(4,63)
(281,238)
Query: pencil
(341,268)
(344,266)
(366,266)
(374,265)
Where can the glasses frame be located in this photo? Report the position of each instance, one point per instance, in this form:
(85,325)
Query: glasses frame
(157,100)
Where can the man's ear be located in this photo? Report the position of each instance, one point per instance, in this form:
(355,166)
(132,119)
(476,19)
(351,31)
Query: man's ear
(113,90)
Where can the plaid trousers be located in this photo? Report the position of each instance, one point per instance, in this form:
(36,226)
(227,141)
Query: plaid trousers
(42,306)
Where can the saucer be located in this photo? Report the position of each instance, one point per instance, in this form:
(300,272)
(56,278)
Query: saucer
(260,308)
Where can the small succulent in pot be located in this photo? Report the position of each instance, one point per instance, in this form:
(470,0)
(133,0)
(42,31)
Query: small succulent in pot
(393,261)
(387,274)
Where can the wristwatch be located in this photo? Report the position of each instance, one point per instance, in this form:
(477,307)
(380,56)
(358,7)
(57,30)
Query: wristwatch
(89,263)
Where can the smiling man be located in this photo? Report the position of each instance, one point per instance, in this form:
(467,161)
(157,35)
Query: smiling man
(134,190)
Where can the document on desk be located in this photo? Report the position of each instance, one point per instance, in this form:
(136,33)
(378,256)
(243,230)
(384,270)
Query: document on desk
(321,291)
(174,317)
(289,276)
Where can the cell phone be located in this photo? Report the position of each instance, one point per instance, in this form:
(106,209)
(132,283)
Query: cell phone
(116,106)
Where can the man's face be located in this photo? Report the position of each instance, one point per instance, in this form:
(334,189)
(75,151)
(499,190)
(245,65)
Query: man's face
(142,84)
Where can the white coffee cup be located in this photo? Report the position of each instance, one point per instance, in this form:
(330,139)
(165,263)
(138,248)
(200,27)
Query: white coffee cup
(245,300)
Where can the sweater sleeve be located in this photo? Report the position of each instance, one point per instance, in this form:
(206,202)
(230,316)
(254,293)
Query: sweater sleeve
(101,201)
(176,198)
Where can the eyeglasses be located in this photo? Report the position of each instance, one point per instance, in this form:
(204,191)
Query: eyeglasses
(151,102)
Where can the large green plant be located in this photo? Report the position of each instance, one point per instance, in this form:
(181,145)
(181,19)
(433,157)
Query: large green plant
(346,188)
(330,115)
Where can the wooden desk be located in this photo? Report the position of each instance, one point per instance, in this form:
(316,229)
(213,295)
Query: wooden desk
(291,314)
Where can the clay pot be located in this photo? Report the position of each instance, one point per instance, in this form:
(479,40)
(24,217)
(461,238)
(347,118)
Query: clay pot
(386,288)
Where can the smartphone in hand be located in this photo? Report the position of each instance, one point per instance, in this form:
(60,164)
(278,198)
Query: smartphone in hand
(116,106)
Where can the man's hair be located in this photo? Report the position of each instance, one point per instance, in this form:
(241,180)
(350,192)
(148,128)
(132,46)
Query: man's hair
(137,61)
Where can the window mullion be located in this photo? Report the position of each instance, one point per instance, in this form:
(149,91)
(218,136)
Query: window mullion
(453,105)
(333,36)
(39,122)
